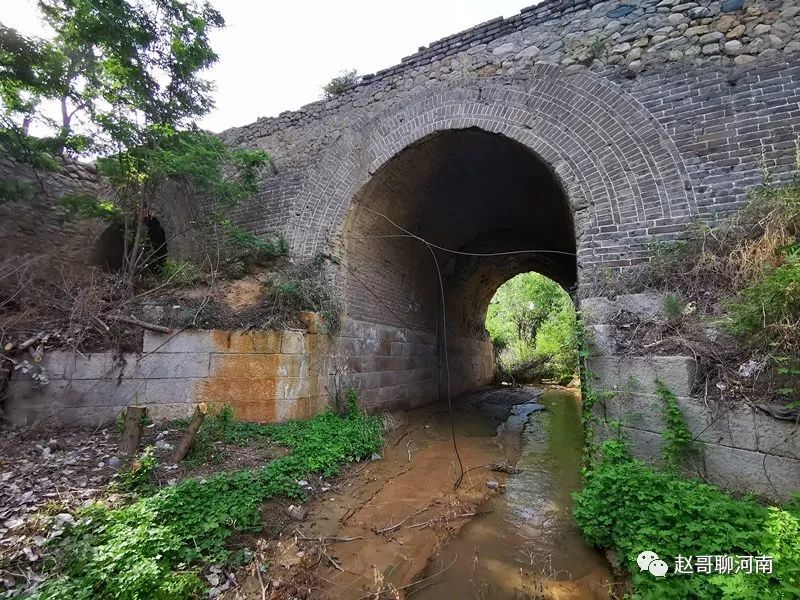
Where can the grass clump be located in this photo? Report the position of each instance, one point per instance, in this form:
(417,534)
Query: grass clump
(154,547)
(137,476)
(629,507)
(180,272)
(302,288)
(767,311)
(340,84)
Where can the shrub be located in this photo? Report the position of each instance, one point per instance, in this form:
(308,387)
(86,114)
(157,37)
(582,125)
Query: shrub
(768,307)
(180,272)
(339,84)
(673,308)
(303,287)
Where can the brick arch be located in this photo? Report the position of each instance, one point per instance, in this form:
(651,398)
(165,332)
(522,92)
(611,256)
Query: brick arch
(621,171)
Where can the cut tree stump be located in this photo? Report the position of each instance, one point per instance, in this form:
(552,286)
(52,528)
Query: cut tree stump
(132,433)
(188,438)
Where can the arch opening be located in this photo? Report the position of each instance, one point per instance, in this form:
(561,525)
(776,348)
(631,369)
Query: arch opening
(467,190)
(531,322)
(109,252)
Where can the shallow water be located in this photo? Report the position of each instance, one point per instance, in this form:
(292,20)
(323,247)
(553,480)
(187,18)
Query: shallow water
(526,545)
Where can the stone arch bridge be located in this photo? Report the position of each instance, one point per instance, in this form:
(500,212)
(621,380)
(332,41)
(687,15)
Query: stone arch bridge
(588,130)
(584,130)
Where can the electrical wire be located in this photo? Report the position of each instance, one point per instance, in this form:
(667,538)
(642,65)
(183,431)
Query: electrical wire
(430,246)
(461,252)
(447,368)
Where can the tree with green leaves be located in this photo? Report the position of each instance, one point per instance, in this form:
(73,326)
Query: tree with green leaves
(127,76)
(531,321)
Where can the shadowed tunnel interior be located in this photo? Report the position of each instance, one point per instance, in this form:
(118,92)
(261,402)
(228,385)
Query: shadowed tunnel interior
(467,190)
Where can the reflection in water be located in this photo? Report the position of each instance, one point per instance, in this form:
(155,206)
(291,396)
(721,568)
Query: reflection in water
(526,545)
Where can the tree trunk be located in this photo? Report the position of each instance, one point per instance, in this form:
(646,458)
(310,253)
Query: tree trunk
(188,438)
(133,258)
(132,434)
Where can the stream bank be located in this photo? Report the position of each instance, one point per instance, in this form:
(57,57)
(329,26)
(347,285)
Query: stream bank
(396,527)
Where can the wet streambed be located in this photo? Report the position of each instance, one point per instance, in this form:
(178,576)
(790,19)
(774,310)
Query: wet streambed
(525,545)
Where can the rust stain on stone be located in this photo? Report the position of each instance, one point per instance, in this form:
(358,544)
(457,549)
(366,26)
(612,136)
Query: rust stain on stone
(244,374)
(249,373)
(318,348)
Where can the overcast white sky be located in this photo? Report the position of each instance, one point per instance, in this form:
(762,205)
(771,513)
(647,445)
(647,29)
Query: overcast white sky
(276,56)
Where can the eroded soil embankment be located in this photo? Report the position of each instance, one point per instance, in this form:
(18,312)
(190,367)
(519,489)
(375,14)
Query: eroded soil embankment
(373,533)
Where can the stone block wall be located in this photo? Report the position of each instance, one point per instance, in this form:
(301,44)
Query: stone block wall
(37,226)
(264,375)
(735,446)
(471,365)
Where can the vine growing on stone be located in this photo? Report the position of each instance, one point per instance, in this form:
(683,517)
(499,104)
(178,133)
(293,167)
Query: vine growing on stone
(676,434)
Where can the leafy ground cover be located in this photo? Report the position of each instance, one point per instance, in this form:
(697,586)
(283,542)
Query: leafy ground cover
(630,507)
(155,546)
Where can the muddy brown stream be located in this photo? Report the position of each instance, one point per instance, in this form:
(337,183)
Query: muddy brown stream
(397,528)
(525,544)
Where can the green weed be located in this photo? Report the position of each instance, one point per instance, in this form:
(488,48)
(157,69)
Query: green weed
(153,548)
(673,308)
(136,477)
(768,306)
(676,434)
(340,84)
(630,507)
(180,272)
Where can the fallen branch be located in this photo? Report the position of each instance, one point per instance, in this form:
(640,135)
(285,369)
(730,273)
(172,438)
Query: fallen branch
(376,594)
(24,345)
(322,540)
(393,527)
(333,562)
(443,518)
(143,324)
(261,581)
(410,449)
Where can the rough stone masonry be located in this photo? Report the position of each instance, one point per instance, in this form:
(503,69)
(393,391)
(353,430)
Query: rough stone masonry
(581,130)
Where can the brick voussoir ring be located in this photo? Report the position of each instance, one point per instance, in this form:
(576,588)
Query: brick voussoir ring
(604,147)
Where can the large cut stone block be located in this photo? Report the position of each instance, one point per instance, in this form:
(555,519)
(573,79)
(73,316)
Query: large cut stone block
(649,446)
(60,363)
(29,402)
(167,366)
(185,341)
(98,365)
(774,477)
(601,310)
(292,342)
(601,339)
(247,342)
(172,391)
(638,374)
(729,426)
(777,437)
